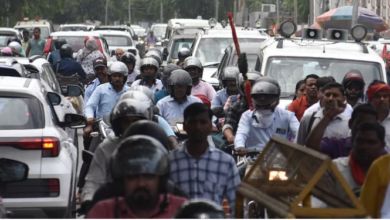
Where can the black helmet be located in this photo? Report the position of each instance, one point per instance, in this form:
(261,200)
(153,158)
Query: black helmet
(267,86)
(252,77)
(141,97)
(191,62)
(155,55)
(354,75)
(168,69)
(14,39)
(184,53)
(179,78)
(201,209)
(66,51)
(127,107)
(149,128)
(128,58)
(58,43)
(140,154)
(229,73)
(149,61)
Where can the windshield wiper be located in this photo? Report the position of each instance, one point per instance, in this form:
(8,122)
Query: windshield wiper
(211,65)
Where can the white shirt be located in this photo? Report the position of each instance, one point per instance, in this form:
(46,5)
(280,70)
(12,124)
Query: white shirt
(155,88)
(316,107)
(386,123)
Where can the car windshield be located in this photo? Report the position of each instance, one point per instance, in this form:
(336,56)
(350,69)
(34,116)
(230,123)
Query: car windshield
(159,31)
(289,70)
(251,58)
(4,38)
(21,113)
(44,31)
(74,28)
(140,32)
(211,50)
(118,40)
(178,44)
(76,42)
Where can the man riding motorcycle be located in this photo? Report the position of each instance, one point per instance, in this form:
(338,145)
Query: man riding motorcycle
(68,67)
(168,69)
(149,71)
(228,81)
(141,165)
(55,56)
(183,54)
(130,60)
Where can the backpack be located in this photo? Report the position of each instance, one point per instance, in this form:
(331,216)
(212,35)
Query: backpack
(66,80)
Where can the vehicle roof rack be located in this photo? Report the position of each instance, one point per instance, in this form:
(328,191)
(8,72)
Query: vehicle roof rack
(11,62)
(35,57)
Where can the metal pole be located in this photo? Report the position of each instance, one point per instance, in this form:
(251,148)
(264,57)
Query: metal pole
(161,12)
(105,21)
(355,11)
(216,9)
(311,13)
(295,12)
(130,12)
(277,13)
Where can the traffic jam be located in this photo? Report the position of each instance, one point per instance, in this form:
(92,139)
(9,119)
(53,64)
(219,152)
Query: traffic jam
(196,118)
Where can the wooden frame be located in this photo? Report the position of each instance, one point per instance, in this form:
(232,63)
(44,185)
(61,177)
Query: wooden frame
(266,194)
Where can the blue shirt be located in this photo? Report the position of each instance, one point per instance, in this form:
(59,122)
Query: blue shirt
(170,109)
(214,176)
(165,125)
(160,95)
(220,98)
(89,90)
(151,39)
(253,136)
(54,57)
(103,100)
(69,67)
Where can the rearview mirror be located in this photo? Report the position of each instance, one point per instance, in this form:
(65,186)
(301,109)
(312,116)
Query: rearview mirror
(74,121)
(54,98)
(12,171)
(219,112)
(73,90)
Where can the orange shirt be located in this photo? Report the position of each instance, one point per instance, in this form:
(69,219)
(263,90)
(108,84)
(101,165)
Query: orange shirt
(299,106)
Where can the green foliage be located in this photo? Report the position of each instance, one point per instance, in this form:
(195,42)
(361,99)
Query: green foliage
(303,9)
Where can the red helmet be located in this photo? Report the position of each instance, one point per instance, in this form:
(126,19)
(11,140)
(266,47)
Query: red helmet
(87,38)
(204,99)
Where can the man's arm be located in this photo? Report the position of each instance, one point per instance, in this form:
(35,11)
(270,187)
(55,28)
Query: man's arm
(230,123)
(167,128)
(216,101)
(294,125)
(93,102)
(81,71)
(233,181)
(160,107)
(28,49)
(210,92)
(243,130)
(302,131)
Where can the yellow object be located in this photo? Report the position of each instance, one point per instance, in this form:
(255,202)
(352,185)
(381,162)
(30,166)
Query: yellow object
(375,186)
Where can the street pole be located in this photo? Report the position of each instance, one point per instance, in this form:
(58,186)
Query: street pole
(161,12)
(216,9)
(105,21)
(277,13)
(130,12)
(295,12)
(311,12)
(355,11)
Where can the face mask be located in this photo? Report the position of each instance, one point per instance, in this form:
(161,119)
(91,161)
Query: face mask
(265,117)
(148,77)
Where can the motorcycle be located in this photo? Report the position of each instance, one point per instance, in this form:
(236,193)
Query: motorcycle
(11,171)
(177,127)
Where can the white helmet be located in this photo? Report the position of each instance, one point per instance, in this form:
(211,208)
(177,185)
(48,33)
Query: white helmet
(16,46)
(118,67)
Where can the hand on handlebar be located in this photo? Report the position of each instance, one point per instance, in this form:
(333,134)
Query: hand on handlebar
(241,151)
(230,139)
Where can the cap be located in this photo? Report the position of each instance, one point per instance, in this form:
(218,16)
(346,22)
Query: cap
(99,62)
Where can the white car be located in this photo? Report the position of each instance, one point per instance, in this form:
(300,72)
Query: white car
(120,39)
(6,33)
(32,132)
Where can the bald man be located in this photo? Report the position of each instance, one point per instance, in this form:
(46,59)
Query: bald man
(118,53)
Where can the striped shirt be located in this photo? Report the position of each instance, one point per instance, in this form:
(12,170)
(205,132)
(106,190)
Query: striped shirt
(213,176)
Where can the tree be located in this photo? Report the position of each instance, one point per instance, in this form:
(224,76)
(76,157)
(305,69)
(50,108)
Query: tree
(303,9)
(204,8)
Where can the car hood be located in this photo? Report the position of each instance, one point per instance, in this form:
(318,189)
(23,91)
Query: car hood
(207,76)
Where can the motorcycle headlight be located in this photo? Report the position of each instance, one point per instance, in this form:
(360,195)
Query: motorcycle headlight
(277,175)
(141,42)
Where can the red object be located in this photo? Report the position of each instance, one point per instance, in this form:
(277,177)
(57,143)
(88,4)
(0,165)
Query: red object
(275,30)
(46,51)
(48,145)
(101,48)
(235,39)
(372,90)
(87,38)
(356,170)
(204,99)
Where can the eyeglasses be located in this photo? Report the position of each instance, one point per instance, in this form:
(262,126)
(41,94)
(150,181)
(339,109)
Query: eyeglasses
(357,87)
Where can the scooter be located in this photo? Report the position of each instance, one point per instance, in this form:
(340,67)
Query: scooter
(11,171)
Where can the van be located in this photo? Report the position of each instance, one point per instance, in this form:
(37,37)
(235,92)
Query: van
(45,26)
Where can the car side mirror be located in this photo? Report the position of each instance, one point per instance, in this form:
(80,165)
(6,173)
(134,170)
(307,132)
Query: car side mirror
(54,98)
(219,112)
(12,171)
(73,121)
(135,37)
(73,90)
(165,43)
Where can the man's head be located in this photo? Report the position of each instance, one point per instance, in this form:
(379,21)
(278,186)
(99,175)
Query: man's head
(118,53)
(66,51)
(333,91)
(149,69)
(125,112)
(179,84)
(194,67)
(168,69)
(26,35)
(184,53)
(228,79)
(142,164)
(310,82)
(353,83)
(197,122)
(37,32)
(252,75)
(151,32)
(128,59)
(361,114)
(378,94)
(118,74)
(321,82)
(368,143)
(100,68)
(58,43)
(266,93)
